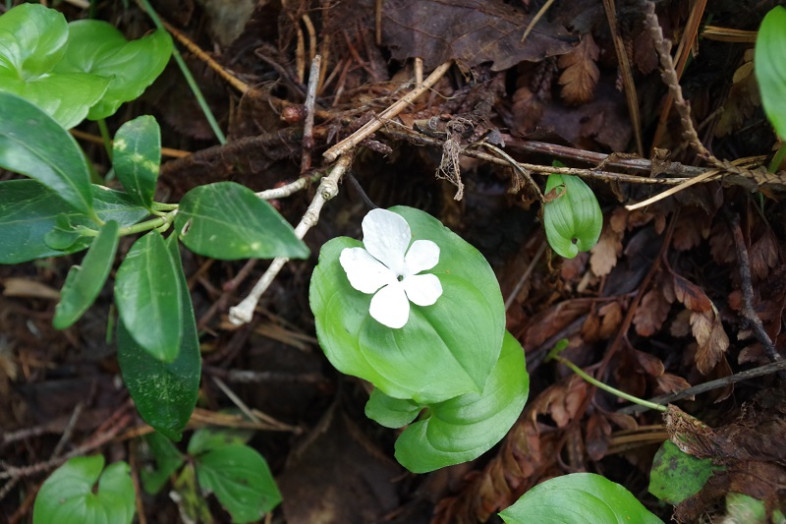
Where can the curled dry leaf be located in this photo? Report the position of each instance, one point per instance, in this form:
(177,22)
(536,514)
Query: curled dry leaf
(691,295)
(604,254)
(670,383)
(580,73)
(711,339)
(763,255)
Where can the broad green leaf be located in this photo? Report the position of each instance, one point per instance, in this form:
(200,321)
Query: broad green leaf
(578,498)
(32,40)
(241,480)
(97,47)
(76,93)
(85,282)
(228,221)
(149,298)
(206,439)
(33,144)
(770,68)
(572,218)
(30,211)
(463,428)
(167,459)
(63,235)
(164,393)
(676,476)
(69,496)
(443,351)
(136,158)
(391,412)
(191,502)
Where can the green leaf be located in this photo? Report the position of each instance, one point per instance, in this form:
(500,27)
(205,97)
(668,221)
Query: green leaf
(241,479)
(30,211)
(33,40)
(68,496)
(206,439)
(770,68)
(149,298)
(463,428)
(676,476)
(744,508)
(96,47)
(228,221)
(391,412)
(572,218)
(167,459)
(33,144)
(578,498)
(164,393)
(136,158)
(85,282)
(444,350)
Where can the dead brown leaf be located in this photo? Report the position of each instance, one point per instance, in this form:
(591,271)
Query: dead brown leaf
(651,364)
(470,31)
(670,383)
(691,295)
(580,73)
(652,312)
(598,434)
(722,244)
(763,254)
(611,314)
(692,226)
(711,339)
(604,254)
(548,323)
(743,98)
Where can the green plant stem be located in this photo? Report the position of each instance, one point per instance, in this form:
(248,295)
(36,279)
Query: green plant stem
(105,136)
(777,159)
(147,225)
(605,387)
(188,76)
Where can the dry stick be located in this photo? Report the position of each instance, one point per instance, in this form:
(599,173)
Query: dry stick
(747,292)
(760,371)
(399,131)
(516,167)
(374,124)
(535,20)
(308,125)
(206,58)
(689,35)
(627,76)
(165,151)
(328,188)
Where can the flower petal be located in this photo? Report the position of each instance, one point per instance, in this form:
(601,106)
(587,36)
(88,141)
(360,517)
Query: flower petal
(365,273)
(422,290)
(386,236)
(390,306)
(422,255)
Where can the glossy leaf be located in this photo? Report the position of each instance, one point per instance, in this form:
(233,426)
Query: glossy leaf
(443,351)
(167,460)
(149,298)
(33,144)
(136,158)
(572,218)
(33,40)
(676,476)
(164,393)
(241,480)
(68,496)
(578,498)
(228,221)
(770,68)
(463,428)
(30,211)
(84,282)
(391,412)
(97,47)
(206,439)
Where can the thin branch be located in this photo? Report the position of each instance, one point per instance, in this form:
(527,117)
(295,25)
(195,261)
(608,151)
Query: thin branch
(308,124)
(373,125)
(328,189)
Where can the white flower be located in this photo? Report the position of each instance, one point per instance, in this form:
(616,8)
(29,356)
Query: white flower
(389,270)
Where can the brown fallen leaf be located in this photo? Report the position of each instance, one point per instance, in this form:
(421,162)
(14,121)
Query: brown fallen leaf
(651,313)
(580,73)
(711,339)
(670,383)
(469,31)
(764,254)
(24,287)
(690,294)
(604,254)
(742,99)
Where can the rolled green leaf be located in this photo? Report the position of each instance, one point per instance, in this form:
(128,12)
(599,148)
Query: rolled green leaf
(84,282)
(572,217)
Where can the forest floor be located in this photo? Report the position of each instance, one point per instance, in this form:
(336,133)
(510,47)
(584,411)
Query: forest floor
(679,292)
